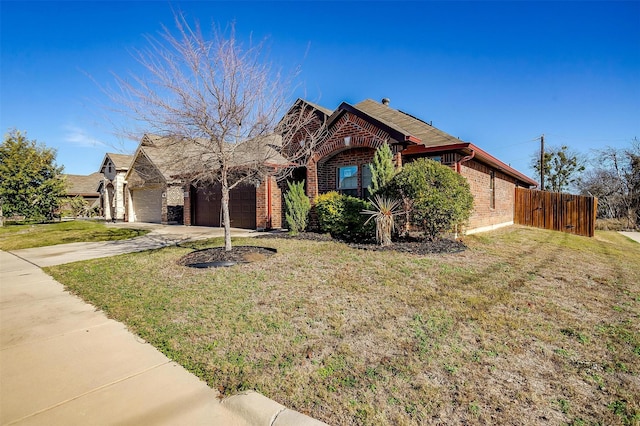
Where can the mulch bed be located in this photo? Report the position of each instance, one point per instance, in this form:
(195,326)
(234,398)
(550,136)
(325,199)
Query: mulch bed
(238,254)
(245,254)
(411,244)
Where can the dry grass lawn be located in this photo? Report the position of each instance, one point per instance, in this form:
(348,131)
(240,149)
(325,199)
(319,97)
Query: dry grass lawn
(15,237)
(525,327)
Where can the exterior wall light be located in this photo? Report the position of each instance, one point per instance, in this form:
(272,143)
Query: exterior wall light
(347,140)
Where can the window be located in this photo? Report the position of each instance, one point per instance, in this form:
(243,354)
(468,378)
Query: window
(492,188)
(366,181)
(348,180)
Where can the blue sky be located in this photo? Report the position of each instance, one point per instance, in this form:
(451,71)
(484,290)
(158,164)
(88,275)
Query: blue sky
(497,74)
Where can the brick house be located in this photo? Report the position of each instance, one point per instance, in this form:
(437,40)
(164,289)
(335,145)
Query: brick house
(348,138)
(354,132)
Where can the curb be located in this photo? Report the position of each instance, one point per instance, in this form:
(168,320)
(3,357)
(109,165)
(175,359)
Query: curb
(259,410)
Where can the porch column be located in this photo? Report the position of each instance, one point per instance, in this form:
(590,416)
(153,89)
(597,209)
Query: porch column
(312,180)
(106,202)
(130,211)
(186,212)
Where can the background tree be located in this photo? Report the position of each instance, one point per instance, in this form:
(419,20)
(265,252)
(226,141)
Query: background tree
(615,180)
(562,168)
(31,183)
(441,198)
(222,106)
(382,169)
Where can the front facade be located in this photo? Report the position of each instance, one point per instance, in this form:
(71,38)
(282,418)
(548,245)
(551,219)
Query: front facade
(348,140)
(354,132)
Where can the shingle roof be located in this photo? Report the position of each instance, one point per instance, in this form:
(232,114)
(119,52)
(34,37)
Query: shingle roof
(121,161)
(403,126)
(324,110)
(428,135)
(83,184)
(173,157)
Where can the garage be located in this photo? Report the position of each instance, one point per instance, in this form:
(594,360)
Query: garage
(207,206)
(147,205)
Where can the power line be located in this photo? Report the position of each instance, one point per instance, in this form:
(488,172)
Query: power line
(537,138)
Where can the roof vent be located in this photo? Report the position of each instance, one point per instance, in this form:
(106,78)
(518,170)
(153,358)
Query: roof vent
(385,101)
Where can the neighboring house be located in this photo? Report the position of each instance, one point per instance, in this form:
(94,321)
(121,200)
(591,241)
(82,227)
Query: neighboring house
(112,201)
(354,132)
(160,189)
(85,187)
(152,193)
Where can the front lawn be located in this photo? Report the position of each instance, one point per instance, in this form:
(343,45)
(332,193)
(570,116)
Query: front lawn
(526,326)
(15,237)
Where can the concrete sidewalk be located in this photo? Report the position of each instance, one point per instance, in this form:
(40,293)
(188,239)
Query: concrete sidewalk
(62,362)
(635,236)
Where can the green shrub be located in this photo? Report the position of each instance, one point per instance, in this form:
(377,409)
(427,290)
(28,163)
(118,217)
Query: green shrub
(340,215)
(297,206)
(440,197)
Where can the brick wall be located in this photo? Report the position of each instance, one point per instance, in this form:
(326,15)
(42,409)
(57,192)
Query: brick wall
(186,213)
(328,171)
(479,178)
(363,140)
(263,221)
(361,133)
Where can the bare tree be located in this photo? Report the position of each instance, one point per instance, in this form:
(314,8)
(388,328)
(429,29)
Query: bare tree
(220,109)
(615,180)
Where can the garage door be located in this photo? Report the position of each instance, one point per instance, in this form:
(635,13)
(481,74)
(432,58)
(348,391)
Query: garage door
(207,210)
(147,205)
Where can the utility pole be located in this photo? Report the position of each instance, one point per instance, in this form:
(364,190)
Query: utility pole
(542,162)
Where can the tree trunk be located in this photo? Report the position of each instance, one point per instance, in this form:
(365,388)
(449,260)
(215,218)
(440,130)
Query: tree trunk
(225,211)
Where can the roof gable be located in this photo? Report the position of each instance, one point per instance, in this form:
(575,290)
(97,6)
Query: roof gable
(121,162)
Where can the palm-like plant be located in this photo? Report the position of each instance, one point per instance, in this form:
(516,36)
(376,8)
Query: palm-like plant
(383,212)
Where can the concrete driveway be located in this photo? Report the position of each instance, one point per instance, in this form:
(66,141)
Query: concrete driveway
(160,236)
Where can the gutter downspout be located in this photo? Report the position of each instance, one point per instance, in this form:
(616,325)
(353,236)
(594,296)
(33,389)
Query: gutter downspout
(464,160)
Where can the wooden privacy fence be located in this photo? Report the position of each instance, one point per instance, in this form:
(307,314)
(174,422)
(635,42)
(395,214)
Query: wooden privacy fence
(574,214)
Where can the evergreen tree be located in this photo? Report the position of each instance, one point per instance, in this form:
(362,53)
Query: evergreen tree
(31,183)
(298,206)
(382,169)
